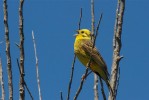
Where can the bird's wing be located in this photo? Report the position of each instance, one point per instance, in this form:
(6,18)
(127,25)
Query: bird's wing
(87,46)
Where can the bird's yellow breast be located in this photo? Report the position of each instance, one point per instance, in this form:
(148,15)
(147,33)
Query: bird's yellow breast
(79,42)
(80,53)
(78,47)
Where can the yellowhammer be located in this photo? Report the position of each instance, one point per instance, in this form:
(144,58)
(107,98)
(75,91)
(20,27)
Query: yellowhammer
(83,48)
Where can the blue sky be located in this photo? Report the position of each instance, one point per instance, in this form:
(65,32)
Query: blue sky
(54,22)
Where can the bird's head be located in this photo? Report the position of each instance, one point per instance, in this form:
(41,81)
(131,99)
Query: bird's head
(83,34)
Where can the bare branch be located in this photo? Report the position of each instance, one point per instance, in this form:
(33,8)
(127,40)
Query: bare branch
(24,81)
(37,70)
(117,47)
(71,77)
(72,68)
(93,17)
(28,90)
(81,84)
(98,25)
(22,91)
(118,78)
(102,89)
(18,66)
(80,19)
(9,70)
(96,95)
(1,81)
(61,95)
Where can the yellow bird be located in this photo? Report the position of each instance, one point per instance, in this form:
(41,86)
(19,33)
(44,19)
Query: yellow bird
(83,48)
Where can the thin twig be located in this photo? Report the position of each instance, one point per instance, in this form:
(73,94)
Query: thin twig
(18,66)
(28,90)
(88,73)
(61,95)
(37,70)
(117,47)
(72,68)
(71,77)
(96,95)
(96,33)
(81,85)
(24,81)
(80,19)
(98,25)
(95,76)
(2,81)
(21,46)
(93,19)
(9,68)
(102,89)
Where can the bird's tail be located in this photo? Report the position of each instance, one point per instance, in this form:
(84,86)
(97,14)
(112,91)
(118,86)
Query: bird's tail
(109,87)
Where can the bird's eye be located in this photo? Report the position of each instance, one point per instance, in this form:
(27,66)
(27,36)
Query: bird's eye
(82,31)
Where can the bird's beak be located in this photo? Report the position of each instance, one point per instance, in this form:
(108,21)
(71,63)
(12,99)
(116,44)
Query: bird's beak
(76,33)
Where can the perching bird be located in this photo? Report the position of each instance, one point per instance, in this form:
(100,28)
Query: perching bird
(83,48)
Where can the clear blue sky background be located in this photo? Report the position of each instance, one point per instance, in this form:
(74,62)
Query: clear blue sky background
(54,22)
